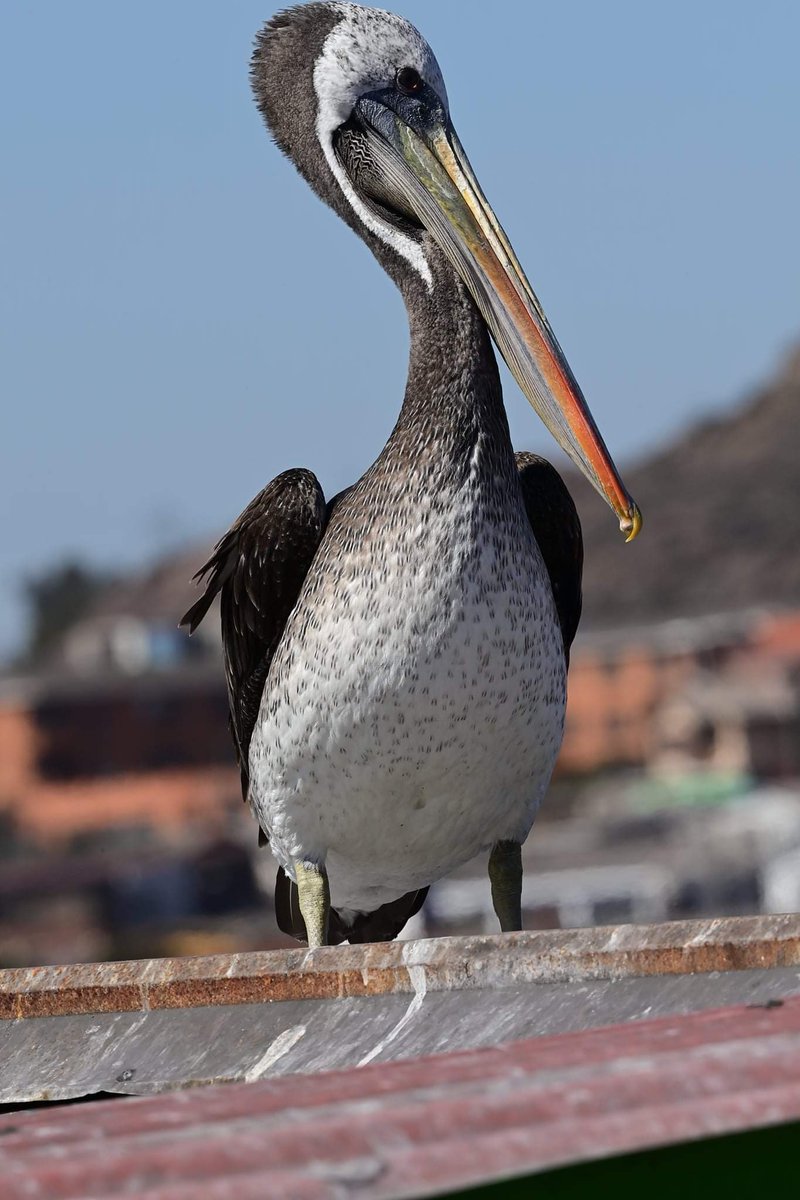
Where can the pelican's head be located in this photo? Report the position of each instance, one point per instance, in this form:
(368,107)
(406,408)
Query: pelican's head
(355,97)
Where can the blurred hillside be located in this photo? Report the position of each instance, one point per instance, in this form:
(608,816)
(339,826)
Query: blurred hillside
(721,510)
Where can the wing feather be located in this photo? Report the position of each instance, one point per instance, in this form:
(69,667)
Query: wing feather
(258,569)
(557,527)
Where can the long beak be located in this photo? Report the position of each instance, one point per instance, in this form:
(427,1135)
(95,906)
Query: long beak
(432,173)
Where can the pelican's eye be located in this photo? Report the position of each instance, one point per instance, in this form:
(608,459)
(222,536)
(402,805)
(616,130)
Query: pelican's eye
(409,81)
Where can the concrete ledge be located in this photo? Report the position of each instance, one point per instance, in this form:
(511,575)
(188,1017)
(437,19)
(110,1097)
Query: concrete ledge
(145,1027)
(449,964)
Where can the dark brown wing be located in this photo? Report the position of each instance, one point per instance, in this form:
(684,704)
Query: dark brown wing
(259,567)
(557,527)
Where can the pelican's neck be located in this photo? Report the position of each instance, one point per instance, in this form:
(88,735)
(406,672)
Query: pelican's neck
(453,398)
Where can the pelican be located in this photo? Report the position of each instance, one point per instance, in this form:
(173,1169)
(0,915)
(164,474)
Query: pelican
(396,657)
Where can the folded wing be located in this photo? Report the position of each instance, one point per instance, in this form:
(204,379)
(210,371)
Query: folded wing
(557,527)
(258,569)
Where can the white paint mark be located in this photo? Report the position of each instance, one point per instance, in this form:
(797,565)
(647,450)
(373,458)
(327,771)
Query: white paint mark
(282,1045)
(420,985)
(705,933)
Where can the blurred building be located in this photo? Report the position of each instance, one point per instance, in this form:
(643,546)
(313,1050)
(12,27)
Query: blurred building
(147,754)
(124,726)
(719,692)
(123,828)
(638,854)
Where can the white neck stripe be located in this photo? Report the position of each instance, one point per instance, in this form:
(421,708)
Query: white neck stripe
(354,60)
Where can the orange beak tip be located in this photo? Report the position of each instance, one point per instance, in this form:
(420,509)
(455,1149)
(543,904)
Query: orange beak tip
(632,522)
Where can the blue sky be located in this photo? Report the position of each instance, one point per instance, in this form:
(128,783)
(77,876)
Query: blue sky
(180,319)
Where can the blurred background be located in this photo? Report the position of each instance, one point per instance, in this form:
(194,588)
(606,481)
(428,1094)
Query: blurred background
(180,319)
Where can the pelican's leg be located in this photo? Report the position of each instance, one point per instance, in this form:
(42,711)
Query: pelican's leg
(505,874)
(315,900)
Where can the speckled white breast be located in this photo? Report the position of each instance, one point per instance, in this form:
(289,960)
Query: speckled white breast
(415,706)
